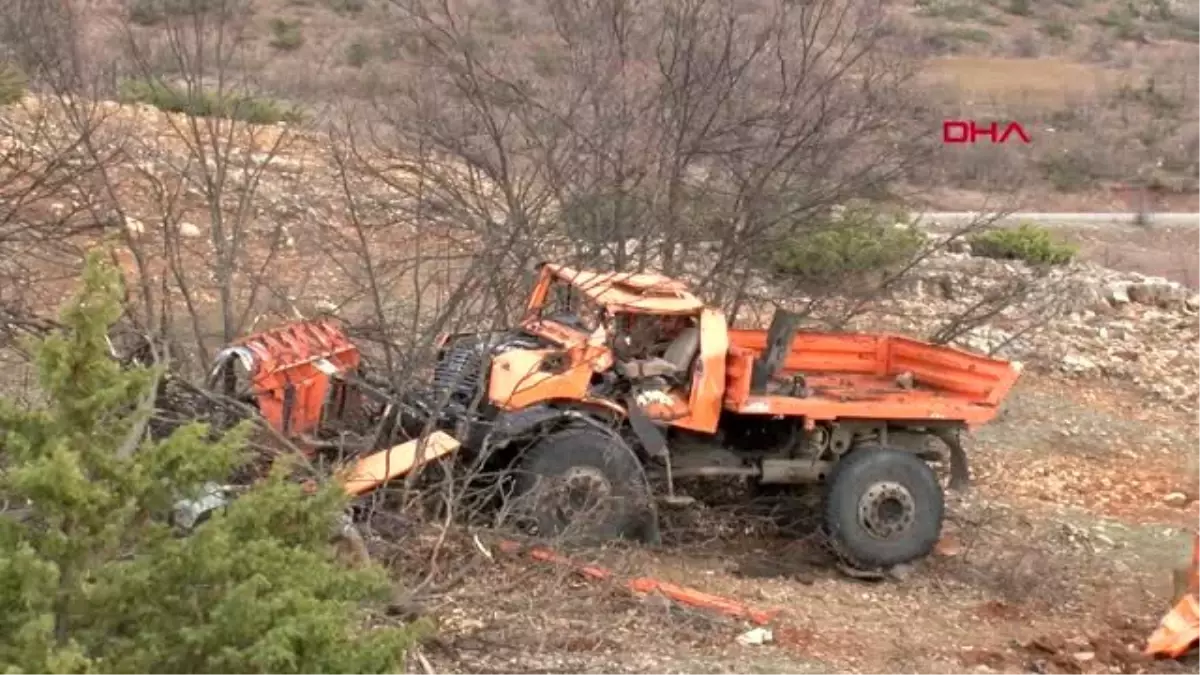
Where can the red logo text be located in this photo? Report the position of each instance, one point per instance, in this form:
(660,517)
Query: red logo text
(970,131)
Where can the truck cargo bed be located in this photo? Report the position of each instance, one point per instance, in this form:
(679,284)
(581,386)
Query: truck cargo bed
(869,376)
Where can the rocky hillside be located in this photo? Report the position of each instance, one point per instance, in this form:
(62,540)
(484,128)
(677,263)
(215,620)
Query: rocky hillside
(1082,319)
(1106,88)
(1085,320)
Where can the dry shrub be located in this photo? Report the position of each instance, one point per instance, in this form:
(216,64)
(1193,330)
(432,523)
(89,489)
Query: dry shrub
(13,84)
(199,103)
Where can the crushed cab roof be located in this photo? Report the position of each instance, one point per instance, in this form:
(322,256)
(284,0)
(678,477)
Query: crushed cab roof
(631,291)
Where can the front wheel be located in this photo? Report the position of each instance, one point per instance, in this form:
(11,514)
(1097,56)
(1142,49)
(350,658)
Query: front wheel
(883,507)
(580,483)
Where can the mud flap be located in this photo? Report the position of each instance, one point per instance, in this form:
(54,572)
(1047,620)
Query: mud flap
(653,440)
(960,472)
(655,445)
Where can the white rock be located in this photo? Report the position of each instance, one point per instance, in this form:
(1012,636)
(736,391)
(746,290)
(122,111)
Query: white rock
(1157,293)
(1176,499)
(1077,363)
(755,637)
(189,230)
(1118,293)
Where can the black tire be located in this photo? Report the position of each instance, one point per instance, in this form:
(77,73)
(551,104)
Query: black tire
(601,467)
(883,507)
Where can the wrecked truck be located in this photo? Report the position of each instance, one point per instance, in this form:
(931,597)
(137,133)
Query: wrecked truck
(615,386)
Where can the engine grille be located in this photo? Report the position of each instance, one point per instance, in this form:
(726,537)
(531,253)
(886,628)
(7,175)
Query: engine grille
(459,371)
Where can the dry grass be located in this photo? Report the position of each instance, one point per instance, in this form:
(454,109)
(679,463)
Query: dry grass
(1051,81)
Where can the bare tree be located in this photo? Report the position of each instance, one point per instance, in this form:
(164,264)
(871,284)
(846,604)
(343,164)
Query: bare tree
(209,167)
(669,123)
(45,166)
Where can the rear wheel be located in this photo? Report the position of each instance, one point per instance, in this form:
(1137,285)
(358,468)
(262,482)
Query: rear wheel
(883,507)
(582,484)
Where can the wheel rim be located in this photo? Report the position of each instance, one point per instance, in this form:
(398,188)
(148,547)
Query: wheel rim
(886,510)
(579,491)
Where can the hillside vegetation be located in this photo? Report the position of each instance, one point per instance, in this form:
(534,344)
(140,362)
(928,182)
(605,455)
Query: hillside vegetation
(1107,89)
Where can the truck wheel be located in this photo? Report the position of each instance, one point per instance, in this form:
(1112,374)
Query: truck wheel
(883,507)
(582,484)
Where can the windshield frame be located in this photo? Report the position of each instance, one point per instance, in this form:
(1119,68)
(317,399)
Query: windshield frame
(588,313)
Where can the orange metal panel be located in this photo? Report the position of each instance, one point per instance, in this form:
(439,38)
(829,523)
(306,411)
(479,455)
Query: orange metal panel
(298,354)
(738,365)
(372,471)
(517,380)
(673,408)
(622,291)
(709,376)
(648,585)
(1179,631)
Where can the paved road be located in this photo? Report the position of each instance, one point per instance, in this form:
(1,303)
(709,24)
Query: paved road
(959,218)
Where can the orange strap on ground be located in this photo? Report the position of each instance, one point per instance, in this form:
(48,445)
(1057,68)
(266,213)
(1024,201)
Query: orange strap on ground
(647,585)
(1179,630)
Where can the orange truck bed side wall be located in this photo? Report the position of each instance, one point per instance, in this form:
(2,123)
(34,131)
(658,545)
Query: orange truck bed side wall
(853,376)
(290,355)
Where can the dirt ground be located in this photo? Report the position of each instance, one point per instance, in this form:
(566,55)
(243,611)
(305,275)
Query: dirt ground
(1058,559)
(1156,250)
(1168,251)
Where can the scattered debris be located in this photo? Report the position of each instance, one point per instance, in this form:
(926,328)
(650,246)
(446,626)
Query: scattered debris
(861,574)
(948,546)
(487,553)
(190,512)
(1179,631)
(755,637)
(647,586)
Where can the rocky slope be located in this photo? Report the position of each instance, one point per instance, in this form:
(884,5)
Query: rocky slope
(1082,320)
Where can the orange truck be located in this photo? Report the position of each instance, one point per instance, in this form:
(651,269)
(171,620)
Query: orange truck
(615,386)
